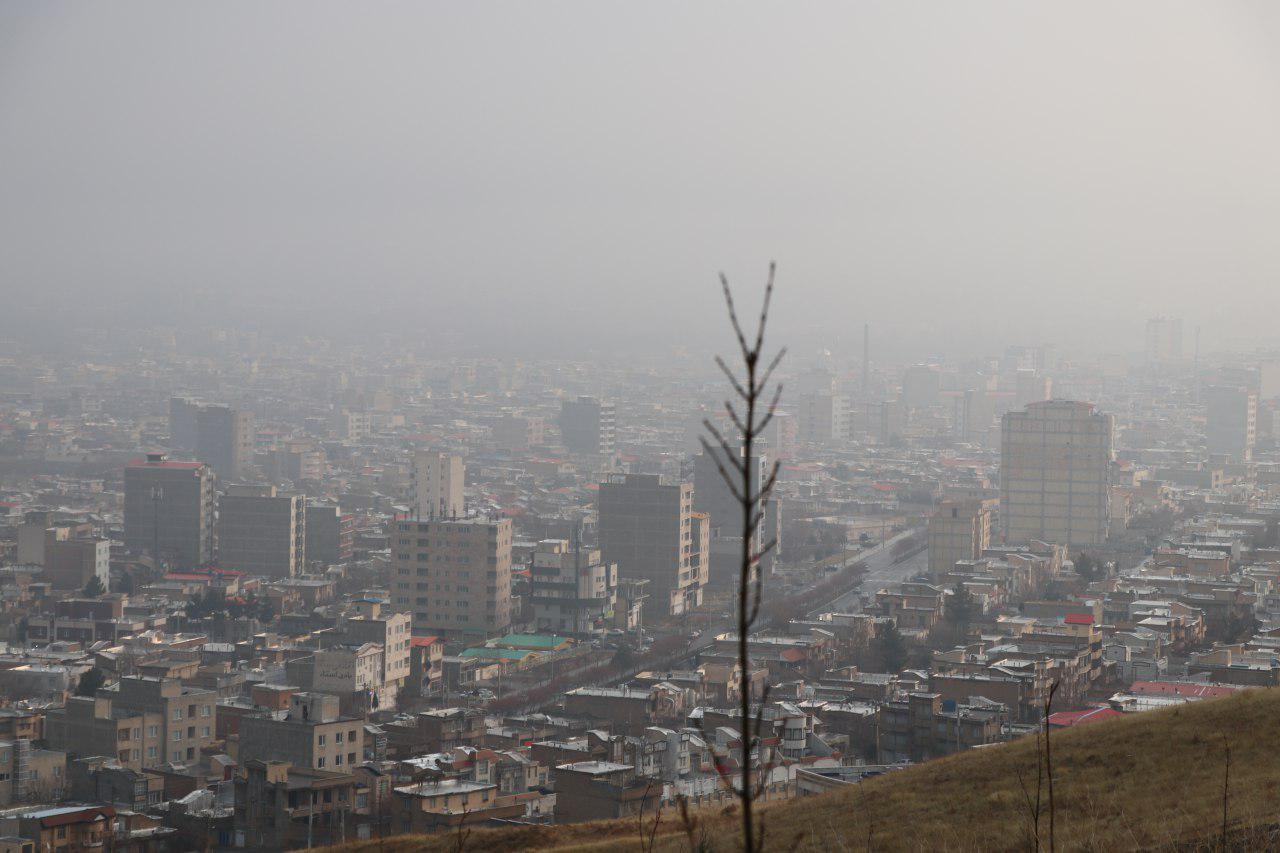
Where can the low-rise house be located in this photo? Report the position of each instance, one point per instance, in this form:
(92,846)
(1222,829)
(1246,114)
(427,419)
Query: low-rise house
(281,807)
(435,731)
(313,734)
(601,790)
(924,725)
(628,709)
(446,804)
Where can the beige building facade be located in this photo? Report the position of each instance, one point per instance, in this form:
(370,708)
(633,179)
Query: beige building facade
(436,485)
(453,575)
(1055,470)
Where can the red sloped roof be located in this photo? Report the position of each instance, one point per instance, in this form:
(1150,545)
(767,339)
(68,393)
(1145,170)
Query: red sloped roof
(1078,619)
(1065,719)
(423,641)
(86,814)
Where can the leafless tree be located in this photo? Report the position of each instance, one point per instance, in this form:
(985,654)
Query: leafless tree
(1048,760)
(750,416)
(1033,806)
(463,834)
(646,840)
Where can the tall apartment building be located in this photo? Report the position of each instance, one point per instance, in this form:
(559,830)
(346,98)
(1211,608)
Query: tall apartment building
(823,418)
(225,439)
(172,505)
(1055,474)
(711,495)
(1164,340)
(436,484)
(921,385)
(647,528)
(959,530)
(220,436)
(182,423)
(571,589)
(261,532)
(453,575)
(588,425)
(70,563)
(1231,421)
(330,535)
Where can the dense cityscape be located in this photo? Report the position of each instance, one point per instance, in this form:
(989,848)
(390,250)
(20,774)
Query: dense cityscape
(269,596)
(663,427)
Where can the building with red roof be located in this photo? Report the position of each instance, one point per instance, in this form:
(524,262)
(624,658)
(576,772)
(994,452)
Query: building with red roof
(1067,719)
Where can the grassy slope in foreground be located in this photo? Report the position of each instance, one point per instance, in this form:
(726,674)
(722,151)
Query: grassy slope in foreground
(1151,780)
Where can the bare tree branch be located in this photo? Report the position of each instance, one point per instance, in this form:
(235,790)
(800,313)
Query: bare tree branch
(733,315)
(773,408)
(768,371)
(764,307)
(724,472)
(737,386)
(750,387)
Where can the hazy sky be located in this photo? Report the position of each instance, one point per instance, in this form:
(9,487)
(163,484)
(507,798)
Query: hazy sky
(539,173)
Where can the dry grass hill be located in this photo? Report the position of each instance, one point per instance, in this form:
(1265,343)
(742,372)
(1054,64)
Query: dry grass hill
(1151,781)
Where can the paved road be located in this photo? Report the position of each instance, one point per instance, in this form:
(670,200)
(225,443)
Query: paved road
(881,571)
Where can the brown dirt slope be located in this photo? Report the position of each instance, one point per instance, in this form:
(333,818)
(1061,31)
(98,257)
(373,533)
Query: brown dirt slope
(1150,781)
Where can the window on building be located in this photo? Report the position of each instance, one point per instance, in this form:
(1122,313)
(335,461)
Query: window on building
(320,739)
(177,734)
(320,761)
